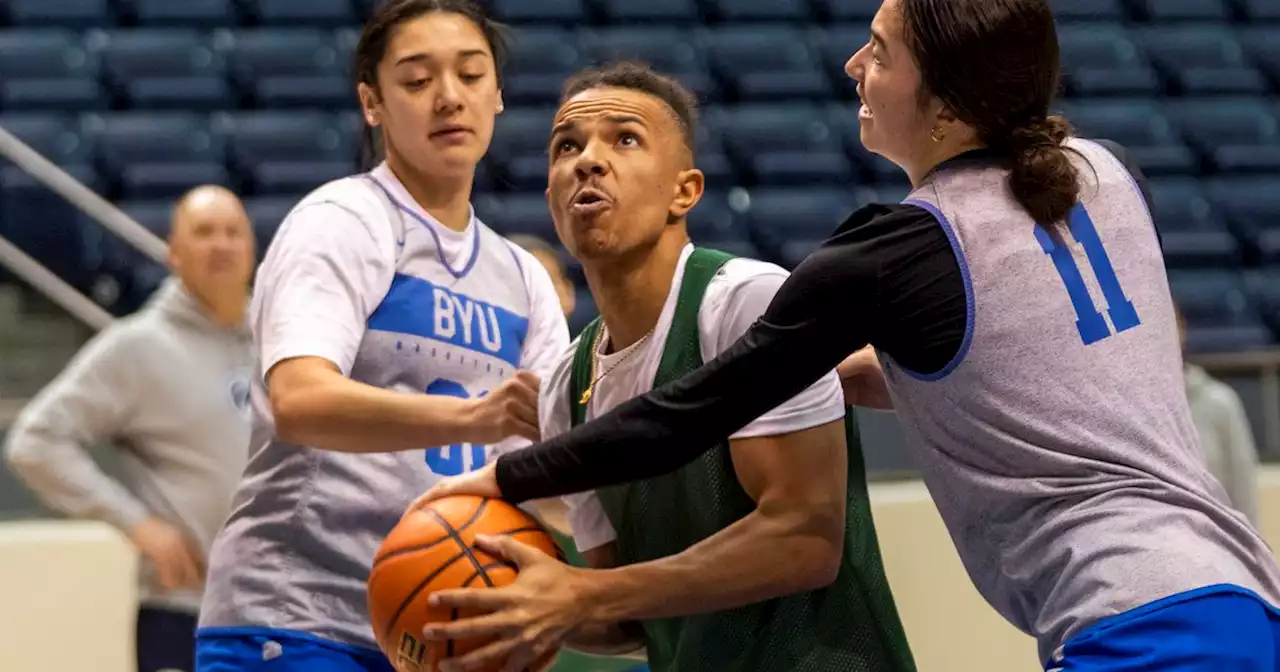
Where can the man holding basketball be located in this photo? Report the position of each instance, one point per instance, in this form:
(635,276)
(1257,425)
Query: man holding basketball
(761,555)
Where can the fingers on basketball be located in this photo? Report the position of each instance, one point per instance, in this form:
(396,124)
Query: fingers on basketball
(433,548)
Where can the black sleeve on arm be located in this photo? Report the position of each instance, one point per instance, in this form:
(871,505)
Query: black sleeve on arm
(826,310)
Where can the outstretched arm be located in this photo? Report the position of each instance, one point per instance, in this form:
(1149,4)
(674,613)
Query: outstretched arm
(823,312)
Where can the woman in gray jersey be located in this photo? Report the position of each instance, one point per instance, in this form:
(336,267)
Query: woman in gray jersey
(396,336)
(1019,307)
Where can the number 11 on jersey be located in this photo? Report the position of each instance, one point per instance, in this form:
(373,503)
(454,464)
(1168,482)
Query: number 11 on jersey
(1089,321)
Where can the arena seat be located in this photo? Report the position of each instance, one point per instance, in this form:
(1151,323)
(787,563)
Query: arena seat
(628,12)
(850,10)
(520,139)
(784,144)
(541,59)
(762,10)
(786,70)
(186,13)
(1101,59)
(1201,59)
(1192,234)
(289,67)
(1185,10)
(161,68)
(60,13)
(1251,206)
(668,50)
(302,12)
(1143,129)
(568,13)
(47,69)
(787,223)
(1260,10)
(285,152)
(153,155)
(1233,134)
(834,47)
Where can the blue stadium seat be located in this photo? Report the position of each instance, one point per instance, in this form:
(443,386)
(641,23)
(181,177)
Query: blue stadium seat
(787,69)
(42,223)
(267,213)
(711,158)
(156,155)
(1261,10)
(851,10)
(288,67)
(329,13)
(541,59)
(712,223)
(517,213)
(1140,126)
(1252,209)
(55,136)
(625,12)
(735,11)
(1201,59)
(194,13)
(1099,59)
(789,223)
(1193,235)
(1262,48)
(1186,10)
(1090,10)
(60,13)
(1235,134)
(584,310)
(286,152)
(1263,286)
(784,144)
(668,50)
(520,139)
(168,68)
(1220,315)
(834,47)
(47,69)
(564,12)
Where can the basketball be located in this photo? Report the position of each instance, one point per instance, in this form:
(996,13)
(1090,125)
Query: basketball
(430,549)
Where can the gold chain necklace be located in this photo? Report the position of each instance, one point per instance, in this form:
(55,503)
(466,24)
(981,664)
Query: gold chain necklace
(595,353)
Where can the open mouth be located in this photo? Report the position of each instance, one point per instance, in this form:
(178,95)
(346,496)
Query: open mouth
(590,201)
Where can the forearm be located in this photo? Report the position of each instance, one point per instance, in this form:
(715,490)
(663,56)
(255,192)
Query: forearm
(61,473)
(339,414)
(760,557)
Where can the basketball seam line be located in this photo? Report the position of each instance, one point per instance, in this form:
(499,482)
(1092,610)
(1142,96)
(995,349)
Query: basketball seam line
(391,625)
(413,549)
(466,549)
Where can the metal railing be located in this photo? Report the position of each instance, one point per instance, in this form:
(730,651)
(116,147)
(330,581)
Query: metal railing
(90,203)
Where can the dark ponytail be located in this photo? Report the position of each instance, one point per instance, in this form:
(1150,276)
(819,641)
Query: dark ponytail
(1042,178)
(994,64)
(372,47)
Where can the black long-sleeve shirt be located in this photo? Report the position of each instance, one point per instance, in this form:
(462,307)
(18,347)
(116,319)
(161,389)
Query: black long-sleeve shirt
(887,277)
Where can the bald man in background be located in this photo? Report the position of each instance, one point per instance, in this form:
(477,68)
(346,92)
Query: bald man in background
(168,388)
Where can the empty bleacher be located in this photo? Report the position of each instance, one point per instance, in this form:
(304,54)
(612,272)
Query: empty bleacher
(144,98)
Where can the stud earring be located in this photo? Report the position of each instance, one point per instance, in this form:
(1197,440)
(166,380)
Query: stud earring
(936,135)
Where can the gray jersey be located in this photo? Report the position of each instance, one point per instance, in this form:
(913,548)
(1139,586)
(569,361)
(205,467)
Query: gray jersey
(358,274)
(1066,466)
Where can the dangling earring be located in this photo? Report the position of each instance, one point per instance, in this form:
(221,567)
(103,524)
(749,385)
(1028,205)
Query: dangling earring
(936,135)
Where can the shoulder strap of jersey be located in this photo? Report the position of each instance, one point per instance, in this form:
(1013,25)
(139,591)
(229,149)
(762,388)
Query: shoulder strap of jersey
(580,377)
(682,352)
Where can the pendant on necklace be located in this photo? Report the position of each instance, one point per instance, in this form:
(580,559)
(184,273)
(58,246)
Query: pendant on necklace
(586,396)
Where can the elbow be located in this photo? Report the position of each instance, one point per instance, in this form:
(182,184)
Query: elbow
(290,415)
(815,549)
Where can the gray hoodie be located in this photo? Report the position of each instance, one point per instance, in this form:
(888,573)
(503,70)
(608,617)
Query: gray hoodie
(169,388)
(1225,438)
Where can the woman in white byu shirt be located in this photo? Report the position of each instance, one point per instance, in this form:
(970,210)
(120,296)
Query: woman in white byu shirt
(377,288)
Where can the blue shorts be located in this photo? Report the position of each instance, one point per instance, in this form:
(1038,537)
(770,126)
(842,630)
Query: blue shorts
(269,650)
(1213,629)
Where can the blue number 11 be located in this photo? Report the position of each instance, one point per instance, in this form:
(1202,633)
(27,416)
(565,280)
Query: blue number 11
(1089,321)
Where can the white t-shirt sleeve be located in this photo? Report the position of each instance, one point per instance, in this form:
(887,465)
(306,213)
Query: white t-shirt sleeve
(588,522)
(735,299)
(328,269)
(547,340)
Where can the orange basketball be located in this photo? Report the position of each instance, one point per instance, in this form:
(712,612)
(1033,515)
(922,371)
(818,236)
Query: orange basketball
(432,549)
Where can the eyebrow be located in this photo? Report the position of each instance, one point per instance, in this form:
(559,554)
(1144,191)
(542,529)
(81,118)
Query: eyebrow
(876,38)
(423,56)
(613,119)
